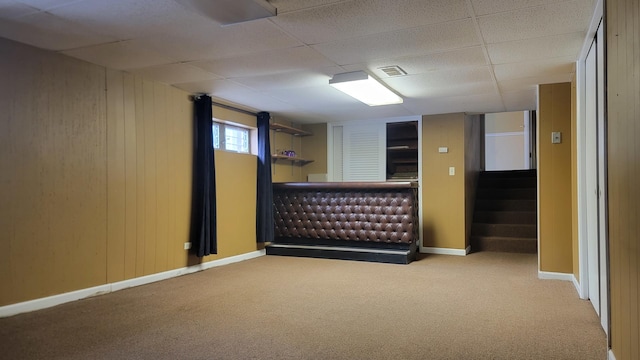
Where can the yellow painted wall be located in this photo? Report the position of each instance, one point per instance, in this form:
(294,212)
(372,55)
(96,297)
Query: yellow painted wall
(623,157)
(443,196)
(554,174)
(315,147)
(96,185)
(472,167)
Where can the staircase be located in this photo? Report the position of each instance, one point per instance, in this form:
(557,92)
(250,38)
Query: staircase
(505,212)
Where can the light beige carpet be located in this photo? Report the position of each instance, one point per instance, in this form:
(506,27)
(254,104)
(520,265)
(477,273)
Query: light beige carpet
(482,306)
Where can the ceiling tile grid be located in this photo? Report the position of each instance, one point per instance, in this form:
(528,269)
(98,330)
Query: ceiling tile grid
(409,42)
(550,19)
(352,19)
(459,55)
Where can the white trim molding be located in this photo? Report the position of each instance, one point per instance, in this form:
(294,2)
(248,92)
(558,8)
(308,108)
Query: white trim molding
(547,275)
(577,285)
(445,251)
(50,301)
(611,356)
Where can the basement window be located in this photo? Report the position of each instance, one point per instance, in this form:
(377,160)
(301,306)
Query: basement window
(234,138)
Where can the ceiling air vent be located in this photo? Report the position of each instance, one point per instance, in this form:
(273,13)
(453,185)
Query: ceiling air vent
(393,70)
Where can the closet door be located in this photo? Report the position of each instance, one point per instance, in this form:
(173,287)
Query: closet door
(364,150)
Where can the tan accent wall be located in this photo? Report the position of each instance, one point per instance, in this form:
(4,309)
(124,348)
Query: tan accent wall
(443,196)
(623,135)
(314,147)
(554,174)
(574,181)
(472,168)
(96,184)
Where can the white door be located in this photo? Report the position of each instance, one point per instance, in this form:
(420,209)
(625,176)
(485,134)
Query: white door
(602,186)
(595,167)
(591,168)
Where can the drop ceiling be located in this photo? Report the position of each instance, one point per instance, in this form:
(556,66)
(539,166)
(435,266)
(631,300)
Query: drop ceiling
(475,56)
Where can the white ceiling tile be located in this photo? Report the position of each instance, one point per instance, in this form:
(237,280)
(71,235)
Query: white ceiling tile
(232,92)
(484,7)
(558,66)
(520,100)
(211,41)
(414,65)
(290,80)
(484,103)
(48,4)
(269,62)
(10,9)
(120,55)
(528,83)
(402,43)
(357,18)
(530,49)
(128,19)
(284,6)
(49,32)
(444,83)
(551,19)
(174,73)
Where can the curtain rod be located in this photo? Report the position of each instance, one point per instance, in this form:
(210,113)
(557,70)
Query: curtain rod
(233,108)
(225,106)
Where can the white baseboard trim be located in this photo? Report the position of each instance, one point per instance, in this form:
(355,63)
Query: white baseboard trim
(546,275)
(50,301)
(611,356)
(445,251)
(576,283)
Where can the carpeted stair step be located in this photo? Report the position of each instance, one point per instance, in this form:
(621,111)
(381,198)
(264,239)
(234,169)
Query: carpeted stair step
(504,244)
(502,193)
(505,230)
(505,217)
(509,174)
(519,182)
(505,205)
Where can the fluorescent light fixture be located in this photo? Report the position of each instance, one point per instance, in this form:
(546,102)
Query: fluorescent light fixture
(363,87)
(227,12)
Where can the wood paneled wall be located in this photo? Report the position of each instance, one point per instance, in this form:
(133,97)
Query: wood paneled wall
(622,19)
(53,174)
(95,174)
(149,166)
(314,147)
(554,176)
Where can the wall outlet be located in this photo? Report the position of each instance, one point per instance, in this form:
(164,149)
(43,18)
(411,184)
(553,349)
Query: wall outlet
(443,150)
(452,170)
(187,245)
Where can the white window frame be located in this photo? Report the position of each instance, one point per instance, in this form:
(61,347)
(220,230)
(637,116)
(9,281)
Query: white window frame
(222,125)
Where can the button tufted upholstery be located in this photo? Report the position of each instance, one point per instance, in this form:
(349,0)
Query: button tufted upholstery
(364,215)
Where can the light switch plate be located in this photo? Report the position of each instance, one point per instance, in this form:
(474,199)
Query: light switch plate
(556,137)
(452,171)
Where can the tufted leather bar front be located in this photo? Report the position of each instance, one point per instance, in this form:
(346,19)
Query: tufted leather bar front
(378,215)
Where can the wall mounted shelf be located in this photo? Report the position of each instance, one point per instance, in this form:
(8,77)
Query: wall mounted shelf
(293,159)
(289,129)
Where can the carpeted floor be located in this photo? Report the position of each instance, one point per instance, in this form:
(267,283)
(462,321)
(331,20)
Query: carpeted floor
(482,306)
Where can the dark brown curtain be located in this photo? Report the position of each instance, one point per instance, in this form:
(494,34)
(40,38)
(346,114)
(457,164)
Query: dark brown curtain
(203,212)
(264,210)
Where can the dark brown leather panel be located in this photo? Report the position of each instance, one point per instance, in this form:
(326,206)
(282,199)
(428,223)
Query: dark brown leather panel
(351,214)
